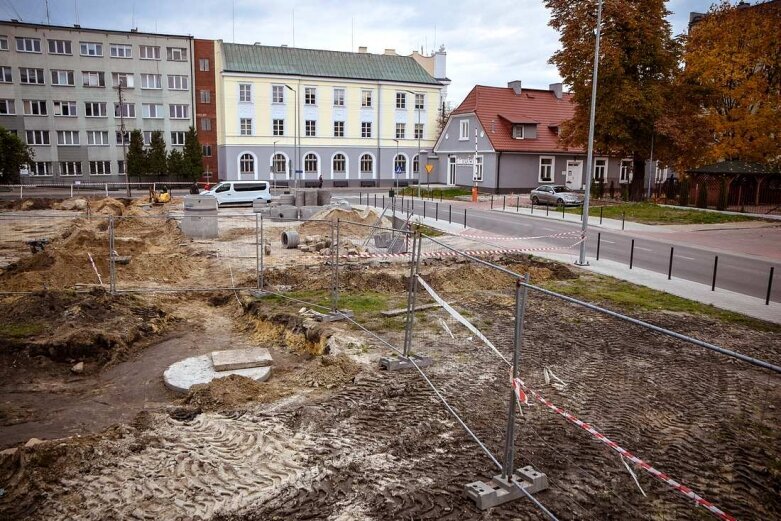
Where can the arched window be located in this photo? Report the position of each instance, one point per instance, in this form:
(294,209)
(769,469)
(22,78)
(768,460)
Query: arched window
(279,164)
(246,164)
(400,164)
(339,164)
(310,163)
(367,165)
(416,165)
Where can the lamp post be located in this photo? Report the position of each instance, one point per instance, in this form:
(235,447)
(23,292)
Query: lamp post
(395,175)
(273,168)
(418,110)
(295,138)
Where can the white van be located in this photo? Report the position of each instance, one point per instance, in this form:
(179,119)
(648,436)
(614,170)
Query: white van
(239,192)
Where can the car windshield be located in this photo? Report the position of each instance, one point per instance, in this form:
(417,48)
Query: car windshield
(559,189)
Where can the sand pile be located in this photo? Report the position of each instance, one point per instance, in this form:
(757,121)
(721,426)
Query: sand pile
(226,393)
(368,217)
(328,371)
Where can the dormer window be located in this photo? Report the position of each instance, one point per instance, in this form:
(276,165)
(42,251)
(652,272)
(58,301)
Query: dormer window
(463,127)
(518,132)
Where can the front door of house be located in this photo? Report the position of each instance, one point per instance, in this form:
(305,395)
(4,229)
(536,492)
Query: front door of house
(574,179)
(451,171)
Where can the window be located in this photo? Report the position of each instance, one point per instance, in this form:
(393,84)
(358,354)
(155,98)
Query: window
(546,170)
(206,150)
(62,78)
(518,132)
(31,76)
(401,130)
(5,75)
(151,81)
(120,137)
(463,130)
(97,137)
(401,100)
(418,130)
(203,64)
(366,99)
(310,128)
(28,44)
(40,168)
(68,168)
(277,94)
(420,101)
(310,163)
(178,82)
(206,124)
(206,96)
(400,164)
(310,96)
(478,172)
(92,79)
(177,54)
(38,137)
(178,111)
(279,164)
(367,164)
(147,136)
(177,138)
(122,78)
(245,126)
(60,47)
(339,164)
(67,137)
(65,108)
(246,164)
(34,107)
(625,175)
(366,129)
(149,52)
(91,49)
(278,127)
(338,97)
(416,165)
(600,169)
(338,128)
(7,107)
(100,167)
(126,110)
(245,92)
(3,43)
(121,50)
(94,109)
(152,110)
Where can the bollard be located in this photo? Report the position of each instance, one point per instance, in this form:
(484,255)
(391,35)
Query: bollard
(623,219)
(518,204)
(424,209)
(562,211)
(464,217)
(21,191)
(769,286)
(715,267)
(383,201)
(547,210)
(492,201)
(436,212)
(450,214)
(504,202)
(670,266)
(106,189)
(532,206)
(71,190)
(375,200)
(632,254)
(600,214)
(599,240)
(581,213)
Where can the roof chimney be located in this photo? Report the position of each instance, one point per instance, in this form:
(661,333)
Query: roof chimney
(515,85)
(363,50)
(391,52)
(557,89)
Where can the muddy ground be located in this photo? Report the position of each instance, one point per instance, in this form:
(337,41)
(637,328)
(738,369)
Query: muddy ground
(330,436)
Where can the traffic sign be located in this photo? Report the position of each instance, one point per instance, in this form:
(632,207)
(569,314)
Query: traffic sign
(299,171)
(399,170)
(429,168)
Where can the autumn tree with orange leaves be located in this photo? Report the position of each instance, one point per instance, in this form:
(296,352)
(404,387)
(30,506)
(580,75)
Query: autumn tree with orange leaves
(733,71)
(639,62)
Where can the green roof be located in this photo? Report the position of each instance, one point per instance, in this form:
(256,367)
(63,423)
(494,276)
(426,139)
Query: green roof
(291,61)
(734,167)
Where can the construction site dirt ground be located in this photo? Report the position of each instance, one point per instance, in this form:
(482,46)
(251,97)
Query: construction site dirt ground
(330,435)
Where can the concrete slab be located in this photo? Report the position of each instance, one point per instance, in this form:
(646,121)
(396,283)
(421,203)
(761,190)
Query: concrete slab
(241,358)
(501,490)
(182,375)
(399,363)
(401,311)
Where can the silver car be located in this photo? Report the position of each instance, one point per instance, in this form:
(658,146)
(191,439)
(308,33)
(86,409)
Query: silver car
(555,194)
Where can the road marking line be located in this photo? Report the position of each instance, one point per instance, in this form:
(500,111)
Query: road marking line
(607,241)
(685,257)
(644,249)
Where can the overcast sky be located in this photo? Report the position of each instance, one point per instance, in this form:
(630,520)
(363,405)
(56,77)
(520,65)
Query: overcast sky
(488,42)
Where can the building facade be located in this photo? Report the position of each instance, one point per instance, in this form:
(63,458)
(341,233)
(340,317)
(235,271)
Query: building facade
(206,105)
(506,140)
(294,115)
(60,93)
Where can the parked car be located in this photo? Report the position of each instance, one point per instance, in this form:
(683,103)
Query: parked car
(239,192)
(556,194)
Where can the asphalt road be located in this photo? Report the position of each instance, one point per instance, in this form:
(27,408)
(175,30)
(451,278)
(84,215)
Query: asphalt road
(741,274)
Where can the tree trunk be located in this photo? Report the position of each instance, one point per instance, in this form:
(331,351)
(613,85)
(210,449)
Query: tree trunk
(637,187)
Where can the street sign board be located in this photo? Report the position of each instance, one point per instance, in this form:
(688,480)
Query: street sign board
(429,168)
(399,171)
(299,171)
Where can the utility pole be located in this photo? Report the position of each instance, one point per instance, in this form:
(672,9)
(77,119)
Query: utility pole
(122,133)
(590,155)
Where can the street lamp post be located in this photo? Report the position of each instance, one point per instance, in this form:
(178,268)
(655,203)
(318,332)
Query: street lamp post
(295,138)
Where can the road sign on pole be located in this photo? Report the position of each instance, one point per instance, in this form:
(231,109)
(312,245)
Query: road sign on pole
(399,171)
(429,168)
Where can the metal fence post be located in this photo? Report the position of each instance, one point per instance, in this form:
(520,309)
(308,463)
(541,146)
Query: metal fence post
(504,202)
(111,257)
(21,191)
(335,293)
(464,217)
(375,200)
(436,211)
(450,214)
(670,267)
(769,286)
(632,254)
(518,204)
(715,267)
(258,258)
(623,220)
(562,210)
(599,241)
(492,201)
(509,443)
(411,292)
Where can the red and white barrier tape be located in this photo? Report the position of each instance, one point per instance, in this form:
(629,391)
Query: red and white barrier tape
(448,253)
(492,238)
(520,387)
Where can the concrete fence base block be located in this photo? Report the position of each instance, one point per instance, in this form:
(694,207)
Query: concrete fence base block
(335,316)
(501,490)
(400,363)
(284,212)
(306,212)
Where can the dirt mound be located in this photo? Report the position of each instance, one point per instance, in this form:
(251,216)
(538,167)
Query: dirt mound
(38,203)
(346,230)
(225,393)
(108,206)
(329,371)
(285,330)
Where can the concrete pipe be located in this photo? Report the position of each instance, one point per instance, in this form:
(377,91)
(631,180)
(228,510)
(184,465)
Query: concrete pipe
(290,240)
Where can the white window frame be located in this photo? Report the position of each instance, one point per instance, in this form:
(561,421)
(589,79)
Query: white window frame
(277,94)
(175,135)
(346,169)
(38,73)
(156,81)
(87,77)
(519,132)
(70,77)
(205,95)
(246,126)
(201,66)
(419,130)
(100,105)
(603,165)
(71,109)
(253,161)
(35,169)
(178,82)
(128,110)
(100,168)
(310,96)
(361,171)
(396,160)
(245,93)
(3,43)
(144,52)
(540,178)
(28,110)
(29,44)
(340,127)
(318,163)
(313,124)
(121,50)
(206,150)
(178,111)
(68,138)
(152,111)
(176,54)
(477,173)
(366,125)
(61,47)
(463,129)
(280,157)
(129,77)
(66,165)
(420,101)
(277,127)
(366,98)
(97,138)
(401,131)
(340,95)
(6,74)
(625,171)
(401,101)
(9,107)
(206,124)
(122,137)
(91,49)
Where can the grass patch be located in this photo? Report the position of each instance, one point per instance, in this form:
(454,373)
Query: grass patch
(364,304)
(431,232)
(20,330)
(649,213)
(627,297)
(436,193)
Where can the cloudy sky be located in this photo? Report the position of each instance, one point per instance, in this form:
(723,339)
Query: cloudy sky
(488,42)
